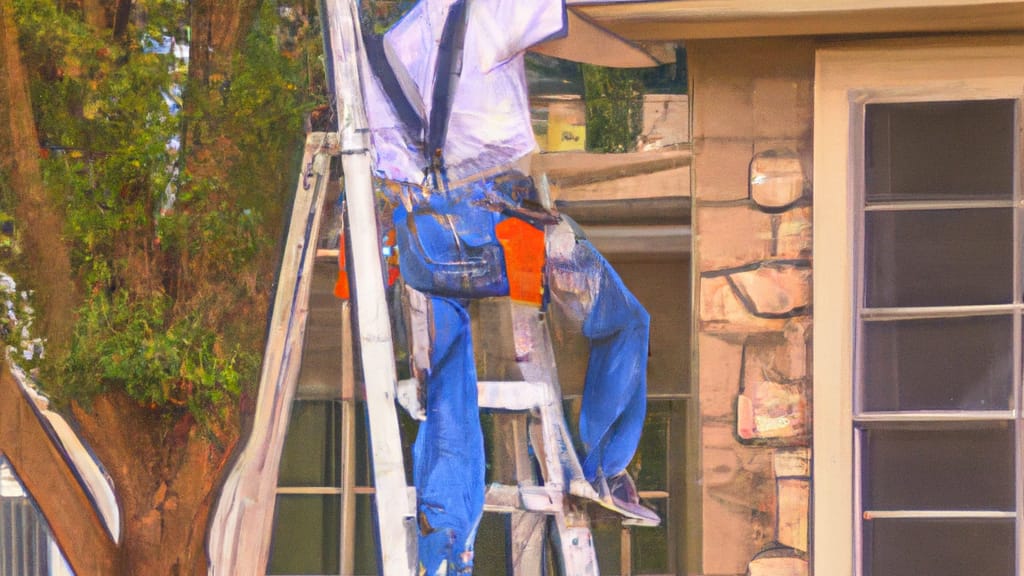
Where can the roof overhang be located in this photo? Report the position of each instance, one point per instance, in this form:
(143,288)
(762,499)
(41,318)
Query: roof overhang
(669,20)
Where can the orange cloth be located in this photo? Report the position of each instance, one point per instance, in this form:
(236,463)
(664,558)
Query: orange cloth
(524,259)
(341,289)
(341,286)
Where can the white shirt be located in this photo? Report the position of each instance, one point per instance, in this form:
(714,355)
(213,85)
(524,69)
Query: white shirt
(489,124)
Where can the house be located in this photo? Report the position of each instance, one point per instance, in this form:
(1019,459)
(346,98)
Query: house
(871,149)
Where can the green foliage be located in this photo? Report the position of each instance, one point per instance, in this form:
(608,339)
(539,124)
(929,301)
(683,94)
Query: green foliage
(379,15)
(159,359)
(171,293)
(614,100)
(614,108)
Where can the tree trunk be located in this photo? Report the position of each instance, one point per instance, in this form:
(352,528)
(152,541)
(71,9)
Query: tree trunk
(95,14)
(164,473)
(39,225)
(122,13)
(218,28)
(164,467)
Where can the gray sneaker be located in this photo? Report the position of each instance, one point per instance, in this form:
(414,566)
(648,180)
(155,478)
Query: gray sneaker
(618,493)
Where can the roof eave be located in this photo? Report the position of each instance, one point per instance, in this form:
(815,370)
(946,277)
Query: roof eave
(671,20)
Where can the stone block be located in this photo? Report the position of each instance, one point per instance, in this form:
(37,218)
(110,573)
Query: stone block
(740,474)
(732,236)
(721,168)
(783,107)
(666,120)
(739,501)
(792,463)
(723,108)
(728,538)
(767,411)
(720,362)
(793,234)
(774,289)
(777,179)
(721,312)
(793,513)
(779,566)
(770,409)
(792,359)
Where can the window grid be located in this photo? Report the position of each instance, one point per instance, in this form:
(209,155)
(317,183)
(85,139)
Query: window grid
(863,419)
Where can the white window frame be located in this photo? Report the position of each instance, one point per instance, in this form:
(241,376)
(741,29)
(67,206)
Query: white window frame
(847,77)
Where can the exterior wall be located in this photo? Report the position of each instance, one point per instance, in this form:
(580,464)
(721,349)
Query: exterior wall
(752,107)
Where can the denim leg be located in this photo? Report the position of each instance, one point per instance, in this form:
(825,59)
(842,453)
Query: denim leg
(448,455)
(617,327)
(615,389)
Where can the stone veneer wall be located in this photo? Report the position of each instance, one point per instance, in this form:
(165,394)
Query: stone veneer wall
(753,258)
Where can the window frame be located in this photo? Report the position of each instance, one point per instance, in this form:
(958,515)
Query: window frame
(846,78)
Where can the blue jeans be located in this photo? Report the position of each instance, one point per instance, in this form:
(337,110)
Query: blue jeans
(448,455)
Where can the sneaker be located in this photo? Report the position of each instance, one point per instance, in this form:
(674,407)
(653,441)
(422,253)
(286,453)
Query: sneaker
(618,493)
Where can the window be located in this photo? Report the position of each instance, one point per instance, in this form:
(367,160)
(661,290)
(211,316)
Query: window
(938,323)
(310,498)
(919,310)
(27,547)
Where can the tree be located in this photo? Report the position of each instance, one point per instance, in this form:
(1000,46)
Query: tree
(50,277)
(147,305)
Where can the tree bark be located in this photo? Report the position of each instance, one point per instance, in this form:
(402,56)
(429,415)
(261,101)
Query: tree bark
(95,14)
(164,473)
(218,29)
(122,14)
(39,225)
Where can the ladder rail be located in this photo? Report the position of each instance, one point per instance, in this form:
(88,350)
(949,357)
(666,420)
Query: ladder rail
(396,512)
(238,543)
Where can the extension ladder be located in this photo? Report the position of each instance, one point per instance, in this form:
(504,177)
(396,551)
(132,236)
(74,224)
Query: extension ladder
(533,389)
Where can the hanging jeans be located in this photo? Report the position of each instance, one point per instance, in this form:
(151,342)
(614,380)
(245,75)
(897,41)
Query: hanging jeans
(448,455)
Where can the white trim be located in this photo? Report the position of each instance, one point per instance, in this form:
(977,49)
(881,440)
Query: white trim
(767,8)
(846,78)
(939,514)
(938,416)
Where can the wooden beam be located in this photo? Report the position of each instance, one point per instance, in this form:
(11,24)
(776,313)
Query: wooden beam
(671,210)
(699,19)
(50,480)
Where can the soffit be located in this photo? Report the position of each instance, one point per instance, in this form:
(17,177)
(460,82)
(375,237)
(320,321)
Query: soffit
(667,20)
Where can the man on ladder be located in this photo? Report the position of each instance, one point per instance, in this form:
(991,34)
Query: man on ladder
(446,101)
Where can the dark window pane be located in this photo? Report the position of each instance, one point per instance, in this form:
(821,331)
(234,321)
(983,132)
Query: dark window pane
(905,547)
(663,287)
(321,370)
(365,540)
(939,150)
(650,463)
(489,554)
(942,467)
(306,535)
(606,527)
(650,545)
(312,451)
(938,258)
(938,364)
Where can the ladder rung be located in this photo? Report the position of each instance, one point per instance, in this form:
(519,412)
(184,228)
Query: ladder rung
(505,498)
(512,395)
